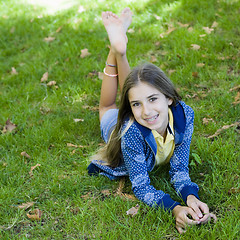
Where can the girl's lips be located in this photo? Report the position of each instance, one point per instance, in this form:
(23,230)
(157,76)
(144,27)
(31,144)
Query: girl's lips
(152,119)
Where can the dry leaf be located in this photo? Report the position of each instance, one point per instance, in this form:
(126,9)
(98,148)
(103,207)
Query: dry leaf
(190,29)
(130,30)
(14,71)
(195,46)
(76,146)
(84,53)
(9,127)
(32,168)
(36,214)
(195,74)
(215,24)
(153,59)
(208,30)
(183,25)
(51,83)
(106,192)
(235,88)
(207,120)
(78,120)
(218,132)
(233,191)
(24,154)
(59,29)
(171,71)
(133,211)
(237,99)
(49,39)
(26,205)
(200,64)
(202,35)
(170,29)
(86,196)
(44,77)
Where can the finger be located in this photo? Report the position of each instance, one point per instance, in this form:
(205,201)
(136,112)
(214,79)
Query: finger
(205,218)
(197,211)
(214,217)
(204,208)
(180,230)
(193,214)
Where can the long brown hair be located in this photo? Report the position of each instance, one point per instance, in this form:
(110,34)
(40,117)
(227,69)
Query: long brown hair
(147,73)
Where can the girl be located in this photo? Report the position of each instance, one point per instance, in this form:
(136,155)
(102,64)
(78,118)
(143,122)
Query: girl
(152,127)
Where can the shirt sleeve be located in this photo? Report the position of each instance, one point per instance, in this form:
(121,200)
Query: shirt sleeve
(179,171)
(134,154)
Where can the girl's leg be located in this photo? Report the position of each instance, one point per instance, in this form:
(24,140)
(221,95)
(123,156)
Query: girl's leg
(116,28)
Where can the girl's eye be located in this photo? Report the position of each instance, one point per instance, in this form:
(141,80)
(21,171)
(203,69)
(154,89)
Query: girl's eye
(152,99)
(135,104)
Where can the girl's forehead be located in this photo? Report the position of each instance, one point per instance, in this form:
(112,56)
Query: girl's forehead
(142,90)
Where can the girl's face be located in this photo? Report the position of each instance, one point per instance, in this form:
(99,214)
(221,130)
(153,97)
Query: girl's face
(149,107)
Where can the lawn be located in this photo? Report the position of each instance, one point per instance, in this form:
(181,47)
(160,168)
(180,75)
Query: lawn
(52,54)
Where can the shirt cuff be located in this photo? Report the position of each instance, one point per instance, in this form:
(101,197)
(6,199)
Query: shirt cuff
(189,190)
(167,203)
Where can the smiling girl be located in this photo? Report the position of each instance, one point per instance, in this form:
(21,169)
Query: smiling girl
(151,127)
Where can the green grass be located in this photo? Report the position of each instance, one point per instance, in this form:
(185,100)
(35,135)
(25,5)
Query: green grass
(45,116)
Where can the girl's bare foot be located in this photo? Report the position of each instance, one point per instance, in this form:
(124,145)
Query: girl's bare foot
(116,31)
(126,17)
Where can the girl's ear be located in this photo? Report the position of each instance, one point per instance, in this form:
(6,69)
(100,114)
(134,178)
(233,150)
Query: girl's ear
(170,101)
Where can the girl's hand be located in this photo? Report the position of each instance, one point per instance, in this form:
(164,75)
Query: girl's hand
(201,209)
(182,220)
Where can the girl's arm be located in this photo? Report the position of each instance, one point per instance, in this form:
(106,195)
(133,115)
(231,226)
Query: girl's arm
(135,155)
(179,171)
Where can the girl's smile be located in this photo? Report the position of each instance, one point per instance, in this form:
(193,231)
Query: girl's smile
(149,107)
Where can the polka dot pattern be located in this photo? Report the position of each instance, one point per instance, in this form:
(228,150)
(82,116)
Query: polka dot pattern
(139,159)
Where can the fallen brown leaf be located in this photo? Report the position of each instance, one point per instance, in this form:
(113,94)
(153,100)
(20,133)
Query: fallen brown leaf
(35,215)
(133,211)
(208,30)
(24,154)
(183,25)
(86,196)
(233,191)
(84,53)
(32,168)
(9,127)
(218,132)
(76,146)
(51,83)
(59,29)
(130,30)
(153,59)
(49,39)
(44,77)
(78,120)
(200,64)
(25,205)
(207,120)
(236,88)
(215,24)
(195,47)
(195,74)
(14,71)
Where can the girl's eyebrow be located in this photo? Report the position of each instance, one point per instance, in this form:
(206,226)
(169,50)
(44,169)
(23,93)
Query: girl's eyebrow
(153,95)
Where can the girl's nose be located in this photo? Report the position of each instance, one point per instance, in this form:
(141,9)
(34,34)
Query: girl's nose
(145,110)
